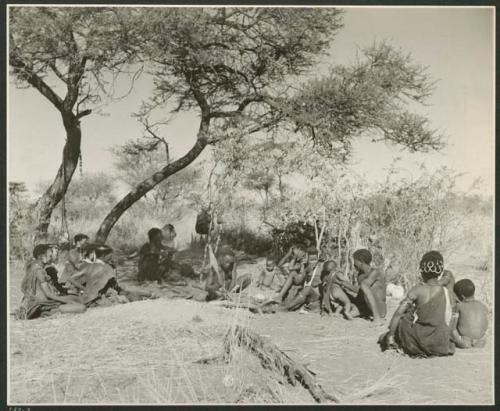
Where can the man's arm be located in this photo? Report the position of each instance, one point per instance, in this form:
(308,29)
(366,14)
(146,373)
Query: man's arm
(285,258)
(47,292)
(370,279)
(76,283)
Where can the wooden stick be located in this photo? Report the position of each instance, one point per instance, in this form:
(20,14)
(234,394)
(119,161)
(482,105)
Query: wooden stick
(271,357)
(313,275)
(215,266)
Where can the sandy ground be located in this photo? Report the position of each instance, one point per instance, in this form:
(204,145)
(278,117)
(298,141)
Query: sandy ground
(145,352)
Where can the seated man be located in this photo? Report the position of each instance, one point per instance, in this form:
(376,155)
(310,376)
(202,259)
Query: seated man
(369,297)
(223,276)
(420,325)
(270,277)
(40,298)
(74,261)
(472,321)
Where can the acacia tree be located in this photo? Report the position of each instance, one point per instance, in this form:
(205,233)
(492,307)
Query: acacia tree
(71,56)
(241,69)
(225,63)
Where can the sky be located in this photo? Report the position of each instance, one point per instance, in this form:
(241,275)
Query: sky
(457,44)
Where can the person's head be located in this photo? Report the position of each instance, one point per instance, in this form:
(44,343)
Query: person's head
(329,266)
(226,257)
(43,253)
(297,251)
(155,235)
(362,259)
(169,232)
(54,250)
(81,239)
(270,263)
(313,257)
(464,289)
(431,265)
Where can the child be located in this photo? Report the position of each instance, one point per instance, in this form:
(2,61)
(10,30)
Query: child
(269,274)
(331,291)
(420,325)
(472,317)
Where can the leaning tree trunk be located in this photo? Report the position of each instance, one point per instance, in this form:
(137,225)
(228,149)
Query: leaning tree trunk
(53,195)
(145,186)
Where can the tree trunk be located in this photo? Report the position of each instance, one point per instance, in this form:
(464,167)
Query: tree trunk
(145,186)
(51,198)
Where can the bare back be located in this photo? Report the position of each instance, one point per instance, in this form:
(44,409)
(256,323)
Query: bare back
(472,319)
(422,294)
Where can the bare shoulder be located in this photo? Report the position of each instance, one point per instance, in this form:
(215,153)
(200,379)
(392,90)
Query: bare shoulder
(447,276)
(417,291)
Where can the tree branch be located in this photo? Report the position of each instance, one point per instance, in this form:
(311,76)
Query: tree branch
(34,80)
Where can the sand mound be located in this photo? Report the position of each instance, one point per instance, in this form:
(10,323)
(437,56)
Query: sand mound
(143,352)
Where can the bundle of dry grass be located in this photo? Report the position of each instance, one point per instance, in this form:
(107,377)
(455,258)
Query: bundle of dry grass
(272,358)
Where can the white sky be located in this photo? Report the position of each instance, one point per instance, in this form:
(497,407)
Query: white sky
(456,43)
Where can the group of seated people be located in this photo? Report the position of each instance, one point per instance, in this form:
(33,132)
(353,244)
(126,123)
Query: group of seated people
(86,275)
(435,316)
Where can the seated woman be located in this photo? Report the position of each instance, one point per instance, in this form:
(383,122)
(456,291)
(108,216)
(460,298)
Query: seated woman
(99,276)
(40,297)
(420,327)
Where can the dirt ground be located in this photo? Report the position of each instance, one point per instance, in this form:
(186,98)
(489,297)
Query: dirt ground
(146,352)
